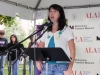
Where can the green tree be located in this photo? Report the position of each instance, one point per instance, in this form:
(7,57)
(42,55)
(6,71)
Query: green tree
(45,20)
(17,30)
(67,21)
(12,27)
(7,20)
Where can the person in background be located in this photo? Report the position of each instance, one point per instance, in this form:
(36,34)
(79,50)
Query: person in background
(30,60)
(3,43)
(14,53)
(57,35)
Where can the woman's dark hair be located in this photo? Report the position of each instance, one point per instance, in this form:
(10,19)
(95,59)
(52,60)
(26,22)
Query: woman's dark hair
(16,40)
(61,19)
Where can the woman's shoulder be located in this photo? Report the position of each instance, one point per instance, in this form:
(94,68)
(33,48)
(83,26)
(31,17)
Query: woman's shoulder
(9,45)
(46,33)
(66,28)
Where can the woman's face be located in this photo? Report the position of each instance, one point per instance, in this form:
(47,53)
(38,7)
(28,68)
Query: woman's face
(54,15)
(13,38)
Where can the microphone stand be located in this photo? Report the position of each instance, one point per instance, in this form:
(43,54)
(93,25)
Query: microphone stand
(24,65)
(34,57)
(9,57)
(9,67)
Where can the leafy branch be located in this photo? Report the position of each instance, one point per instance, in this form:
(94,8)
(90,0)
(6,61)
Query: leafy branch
(7,21)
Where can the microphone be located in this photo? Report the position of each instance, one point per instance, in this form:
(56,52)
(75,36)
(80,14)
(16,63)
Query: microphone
(47,24)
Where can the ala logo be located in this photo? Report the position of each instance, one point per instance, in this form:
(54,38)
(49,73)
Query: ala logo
(78,39)
(92,50)
(80,72)
(83,39)
(93,15)
(77,73)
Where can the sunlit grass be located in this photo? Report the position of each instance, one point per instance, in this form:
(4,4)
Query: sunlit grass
(20,70)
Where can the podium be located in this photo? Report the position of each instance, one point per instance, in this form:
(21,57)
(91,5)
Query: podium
(54,54)
(48,54)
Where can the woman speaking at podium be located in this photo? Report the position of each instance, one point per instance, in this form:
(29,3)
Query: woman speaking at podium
(57,35)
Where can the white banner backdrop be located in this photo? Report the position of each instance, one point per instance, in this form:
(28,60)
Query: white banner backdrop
(85,24)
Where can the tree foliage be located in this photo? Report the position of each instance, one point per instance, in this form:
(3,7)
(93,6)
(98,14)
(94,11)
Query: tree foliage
(17,30)
(7,21)
(12,26)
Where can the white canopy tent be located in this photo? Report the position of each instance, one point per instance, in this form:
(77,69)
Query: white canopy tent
(25,8)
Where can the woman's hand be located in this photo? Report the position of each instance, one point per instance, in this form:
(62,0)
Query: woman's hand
(39,65)
(68,72)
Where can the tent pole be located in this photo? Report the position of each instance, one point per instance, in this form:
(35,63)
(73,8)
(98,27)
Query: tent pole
(35,70)
(35,14)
